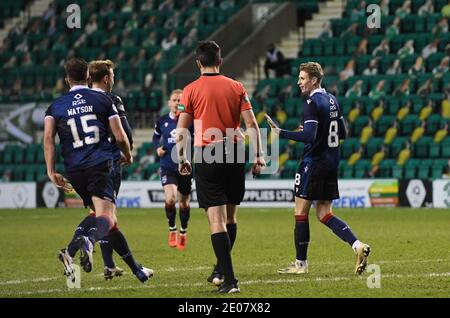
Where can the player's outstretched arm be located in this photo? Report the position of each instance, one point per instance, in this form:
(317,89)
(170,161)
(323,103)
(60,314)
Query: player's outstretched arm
(121,138)
(306,133)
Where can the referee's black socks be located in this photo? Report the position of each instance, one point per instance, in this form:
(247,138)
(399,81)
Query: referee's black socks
(232,233)
(222,249)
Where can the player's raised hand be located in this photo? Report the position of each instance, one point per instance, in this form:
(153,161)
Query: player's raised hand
(185,168)
(272,124)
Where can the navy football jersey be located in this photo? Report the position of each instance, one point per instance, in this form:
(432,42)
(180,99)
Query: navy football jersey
(323,108)
(82,123)
(164,135)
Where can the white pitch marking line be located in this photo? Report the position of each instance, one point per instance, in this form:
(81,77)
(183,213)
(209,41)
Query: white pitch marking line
(277,281)
(200,268)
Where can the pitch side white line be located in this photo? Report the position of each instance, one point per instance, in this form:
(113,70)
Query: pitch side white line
(179,285)
(201,268)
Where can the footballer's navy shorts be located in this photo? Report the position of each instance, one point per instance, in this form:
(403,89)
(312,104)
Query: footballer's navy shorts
(94,181)
(316,182)
(219,183)
(183,183)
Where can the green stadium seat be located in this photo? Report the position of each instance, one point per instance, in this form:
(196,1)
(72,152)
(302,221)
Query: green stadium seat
(424,169)
(349,146)
(383,124)
(362,168)
(421,147)
(396,146)
(438,168)
(19,155)
(434,123)
(397,172)
(410,168)
(30,172)
(445,148)
(409,123)
(434,150)
(8,154)
(385,168)
(373,146)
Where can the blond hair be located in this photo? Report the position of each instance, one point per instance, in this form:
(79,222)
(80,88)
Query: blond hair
(313,69)
(176,91)
(99,69)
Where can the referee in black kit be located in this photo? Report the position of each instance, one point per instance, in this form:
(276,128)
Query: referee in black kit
(215,103)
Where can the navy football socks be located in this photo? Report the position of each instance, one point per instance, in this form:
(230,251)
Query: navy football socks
(185,214)
(340,228)
(171,213)
(87,223)
(301,237)
(107,252)
(120,245)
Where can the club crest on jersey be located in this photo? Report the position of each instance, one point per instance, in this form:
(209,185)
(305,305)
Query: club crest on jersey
(166,124)
(308,101)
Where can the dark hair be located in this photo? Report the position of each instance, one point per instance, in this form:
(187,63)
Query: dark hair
(99,69)
(208,53)
(76,69)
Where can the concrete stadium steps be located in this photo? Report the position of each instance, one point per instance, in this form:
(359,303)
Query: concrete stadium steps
(290,44)
(139,137)
(37,8)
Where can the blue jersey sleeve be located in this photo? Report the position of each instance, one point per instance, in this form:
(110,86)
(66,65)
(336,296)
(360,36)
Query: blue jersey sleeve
(310,113)
(156,135)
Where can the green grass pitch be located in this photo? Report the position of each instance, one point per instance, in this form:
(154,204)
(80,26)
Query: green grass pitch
(411,246)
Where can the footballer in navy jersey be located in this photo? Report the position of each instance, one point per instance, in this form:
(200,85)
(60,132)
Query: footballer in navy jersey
(174,184)
(316,179)
(102,80)
(84,119)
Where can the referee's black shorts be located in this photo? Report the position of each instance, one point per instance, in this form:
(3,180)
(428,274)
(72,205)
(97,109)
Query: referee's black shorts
(219,183)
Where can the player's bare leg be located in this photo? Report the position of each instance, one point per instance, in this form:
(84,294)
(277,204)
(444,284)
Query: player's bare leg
(217,218)
(301,238)
(343,231)
(170,191)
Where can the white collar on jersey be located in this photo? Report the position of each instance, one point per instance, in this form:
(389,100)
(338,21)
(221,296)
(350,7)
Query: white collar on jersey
(317,90)
(98,89)
(172,116)
(77,87)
